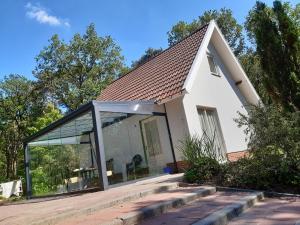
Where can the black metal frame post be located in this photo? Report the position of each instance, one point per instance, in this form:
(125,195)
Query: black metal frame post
(27,172)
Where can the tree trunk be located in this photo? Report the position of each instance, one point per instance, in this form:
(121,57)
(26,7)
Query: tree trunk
(7,165)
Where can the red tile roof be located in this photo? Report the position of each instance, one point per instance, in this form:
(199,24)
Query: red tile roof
(159,78)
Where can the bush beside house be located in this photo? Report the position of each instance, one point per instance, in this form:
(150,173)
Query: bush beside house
(273,164)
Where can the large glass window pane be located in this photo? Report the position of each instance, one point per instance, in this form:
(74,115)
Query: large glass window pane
(135,146)
(64,160)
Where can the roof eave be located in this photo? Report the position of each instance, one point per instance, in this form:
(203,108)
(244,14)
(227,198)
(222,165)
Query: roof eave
(171,98)
(199,56)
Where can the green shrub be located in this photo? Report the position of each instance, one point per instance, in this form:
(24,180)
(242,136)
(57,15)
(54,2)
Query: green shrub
(272,131)
(191,175)
(274,164)
(272,174)
(202,158)
(195,148)
(274,160)
(267,169)
(245,173)
(206,170)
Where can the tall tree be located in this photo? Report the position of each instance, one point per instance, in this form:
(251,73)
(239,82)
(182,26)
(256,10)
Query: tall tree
(276,35)
(149,53)
(232,31)
(252,66)
(74,73)
(19,106)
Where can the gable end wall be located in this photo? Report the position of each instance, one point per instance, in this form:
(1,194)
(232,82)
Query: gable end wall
(220,93)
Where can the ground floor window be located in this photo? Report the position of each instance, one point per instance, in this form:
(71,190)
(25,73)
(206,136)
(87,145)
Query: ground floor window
(212,130)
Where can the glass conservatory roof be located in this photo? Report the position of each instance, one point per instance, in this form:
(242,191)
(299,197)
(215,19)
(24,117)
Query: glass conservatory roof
(79,122)
(67,133)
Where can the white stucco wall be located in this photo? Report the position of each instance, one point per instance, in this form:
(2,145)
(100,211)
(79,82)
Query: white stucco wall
(177,123)
(221,93)
(123,140)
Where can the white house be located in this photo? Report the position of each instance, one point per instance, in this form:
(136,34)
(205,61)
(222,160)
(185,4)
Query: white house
(135,127)
(197,78)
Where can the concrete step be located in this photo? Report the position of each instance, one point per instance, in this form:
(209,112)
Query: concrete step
(215,209)
(134,212)
(272,211)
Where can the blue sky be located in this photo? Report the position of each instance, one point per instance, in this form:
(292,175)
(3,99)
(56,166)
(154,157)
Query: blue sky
(26,26)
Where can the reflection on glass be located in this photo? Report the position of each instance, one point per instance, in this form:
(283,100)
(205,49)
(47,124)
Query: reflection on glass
(136,146)
(64,160)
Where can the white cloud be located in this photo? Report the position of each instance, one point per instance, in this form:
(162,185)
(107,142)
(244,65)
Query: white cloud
(42,16)
(67,24)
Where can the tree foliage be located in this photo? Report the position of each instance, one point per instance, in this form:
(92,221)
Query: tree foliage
(149,53)
(22,112)
(276,35)
(74,73)
(19,106)
(266,126)
(51,165)
(232,31)
(49,114)
(252,66)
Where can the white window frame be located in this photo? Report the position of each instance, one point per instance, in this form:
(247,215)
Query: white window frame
(217,125)
(154,151)
(209,55)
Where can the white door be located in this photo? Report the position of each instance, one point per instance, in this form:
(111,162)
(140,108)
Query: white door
(153,148)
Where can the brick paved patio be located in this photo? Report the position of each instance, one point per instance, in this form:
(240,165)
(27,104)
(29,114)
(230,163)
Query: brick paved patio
(115,203)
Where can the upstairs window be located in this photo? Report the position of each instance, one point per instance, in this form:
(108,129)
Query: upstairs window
(212,65)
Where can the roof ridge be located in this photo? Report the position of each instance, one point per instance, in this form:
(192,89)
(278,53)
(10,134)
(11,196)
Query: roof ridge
(150,59)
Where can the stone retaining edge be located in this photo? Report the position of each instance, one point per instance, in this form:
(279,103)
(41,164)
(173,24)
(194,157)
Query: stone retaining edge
(266,193)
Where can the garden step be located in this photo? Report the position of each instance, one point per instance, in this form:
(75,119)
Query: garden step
(272,211)
(134,212)
(211,210)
